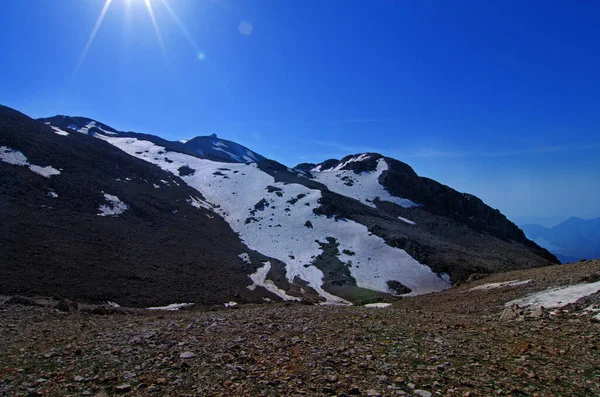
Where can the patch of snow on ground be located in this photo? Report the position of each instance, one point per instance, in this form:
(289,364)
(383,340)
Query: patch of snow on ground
(86,129)
(259,279)
(512,283)
(378,305)
(52,194)
(199,203)
(183,140)
(364,187)
(557,297)
(171,307)
(15,157)
(231,304)
(407,221)
(245,257)
(277,229)
(59,131)
(114,208)
(44,171)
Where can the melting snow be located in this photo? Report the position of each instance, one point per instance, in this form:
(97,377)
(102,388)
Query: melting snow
(15,157)
(231,304)
(276,228)
(378,305)
(245,257)
(86,129)
(407,221)
(171,307)
(364,186)
(260,279)
(114,208)
(59,131)
(199,203)
(512,283)
(557,297)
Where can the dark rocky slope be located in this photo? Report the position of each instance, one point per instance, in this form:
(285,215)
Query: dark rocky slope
(161,250)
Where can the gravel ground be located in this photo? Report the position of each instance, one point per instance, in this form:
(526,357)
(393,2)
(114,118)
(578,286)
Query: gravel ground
(448,344)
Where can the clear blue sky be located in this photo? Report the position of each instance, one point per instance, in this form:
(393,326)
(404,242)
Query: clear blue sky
(499,99)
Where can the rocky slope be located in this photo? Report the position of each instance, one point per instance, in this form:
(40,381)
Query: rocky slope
(164,247)
(454,343)
(100,214)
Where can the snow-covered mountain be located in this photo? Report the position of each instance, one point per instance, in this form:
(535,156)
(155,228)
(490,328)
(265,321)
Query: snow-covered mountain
(359,229)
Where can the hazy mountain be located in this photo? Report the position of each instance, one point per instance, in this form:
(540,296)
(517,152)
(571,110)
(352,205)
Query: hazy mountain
(570,240)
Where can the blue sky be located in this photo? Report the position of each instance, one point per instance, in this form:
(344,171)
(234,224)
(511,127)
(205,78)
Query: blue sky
(501,100)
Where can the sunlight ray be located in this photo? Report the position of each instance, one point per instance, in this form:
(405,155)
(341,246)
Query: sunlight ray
(92,35)
(183,29)
(155,24)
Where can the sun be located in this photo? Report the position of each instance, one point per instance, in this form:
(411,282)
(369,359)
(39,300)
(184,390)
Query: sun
(150,8)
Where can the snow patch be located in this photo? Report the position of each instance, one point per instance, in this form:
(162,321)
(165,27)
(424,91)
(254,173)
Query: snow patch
(44,171)
(12,156)
(171,307)
(259,279)
(114,208)
(407,221)
(183,140)
(557,297)
(378,305)
(52,194)
(364,187)
(245,257)
(86,129)
(59,131)
(199,203)
(15,157)
(231,304)
(512,283)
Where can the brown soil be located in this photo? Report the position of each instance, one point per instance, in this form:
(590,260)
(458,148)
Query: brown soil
(448,344)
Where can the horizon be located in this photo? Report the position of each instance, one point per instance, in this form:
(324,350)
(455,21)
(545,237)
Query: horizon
(493,100)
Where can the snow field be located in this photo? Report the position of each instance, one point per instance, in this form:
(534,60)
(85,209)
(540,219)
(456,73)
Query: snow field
(364,187)
(269,223)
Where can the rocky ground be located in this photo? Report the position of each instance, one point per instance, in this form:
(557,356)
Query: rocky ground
(448,344)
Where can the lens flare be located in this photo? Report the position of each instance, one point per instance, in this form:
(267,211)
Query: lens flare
(92,35)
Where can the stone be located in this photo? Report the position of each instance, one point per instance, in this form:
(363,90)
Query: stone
(421,393)
(124,388)
(187,354)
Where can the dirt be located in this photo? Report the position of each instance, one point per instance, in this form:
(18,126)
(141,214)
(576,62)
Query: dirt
(449,344)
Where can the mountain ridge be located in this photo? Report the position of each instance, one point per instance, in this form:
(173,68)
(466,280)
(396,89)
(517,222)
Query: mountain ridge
(319,238)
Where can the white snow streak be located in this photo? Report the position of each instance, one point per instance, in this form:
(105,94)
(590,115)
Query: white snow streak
(557,297)
(407,221)
(512,283)
(171,307)
(59,131)
(378,305)
(259,279)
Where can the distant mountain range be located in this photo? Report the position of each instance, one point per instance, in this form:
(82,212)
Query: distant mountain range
(92,213)
(570,240)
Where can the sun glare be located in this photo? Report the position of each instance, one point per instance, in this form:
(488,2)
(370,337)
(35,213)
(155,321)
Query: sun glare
(151,13)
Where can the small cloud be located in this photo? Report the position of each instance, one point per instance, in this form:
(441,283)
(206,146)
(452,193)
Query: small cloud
(246,28)
(201,56)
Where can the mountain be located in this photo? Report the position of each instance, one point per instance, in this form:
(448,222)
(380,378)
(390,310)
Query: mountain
(208,147)
(93,213)
(570,240)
